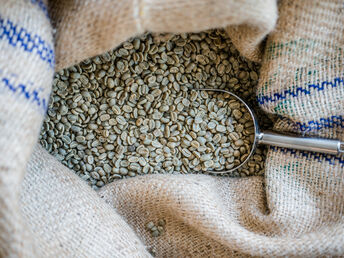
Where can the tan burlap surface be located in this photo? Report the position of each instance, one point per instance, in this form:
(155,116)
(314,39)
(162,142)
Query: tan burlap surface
(295,210)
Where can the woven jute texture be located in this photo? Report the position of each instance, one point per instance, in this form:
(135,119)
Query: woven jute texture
(297,209)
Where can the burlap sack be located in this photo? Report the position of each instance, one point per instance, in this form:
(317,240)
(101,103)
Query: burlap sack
(296,210)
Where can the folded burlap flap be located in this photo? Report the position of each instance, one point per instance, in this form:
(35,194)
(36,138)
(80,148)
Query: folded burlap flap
(295,210)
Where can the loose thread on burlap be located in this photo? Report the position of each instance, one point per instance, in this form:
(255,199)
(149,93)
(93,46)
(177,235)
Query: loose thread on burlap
(331,159)
(29,42)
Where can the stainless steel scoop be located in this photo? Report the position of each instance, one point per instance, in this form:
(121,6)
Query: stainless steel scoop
(327,146)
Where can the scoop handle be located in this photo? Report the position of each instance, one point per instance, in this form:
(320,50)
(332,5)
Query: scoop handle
(301,143)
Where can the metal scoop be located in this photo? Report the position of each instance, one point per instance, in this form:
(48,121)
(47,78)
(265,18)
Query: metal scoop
(327,146)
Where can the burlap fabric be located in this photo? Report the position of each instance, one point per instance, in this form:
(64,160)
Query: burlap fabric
(295,210)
